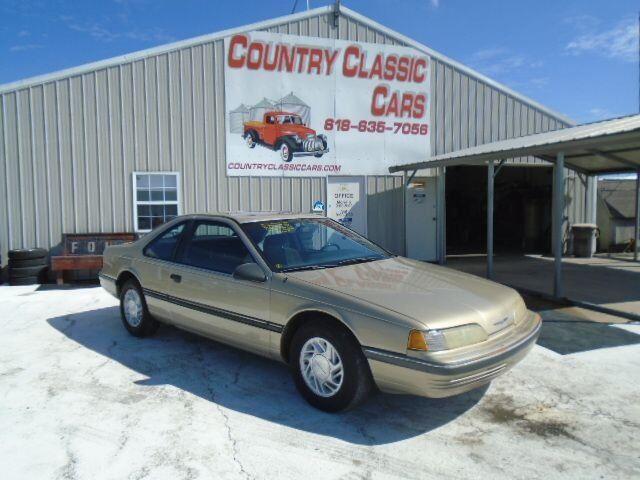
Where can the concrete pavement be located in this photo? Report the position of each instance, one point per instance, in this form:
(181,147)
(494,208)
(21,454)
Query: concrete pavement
(80,398)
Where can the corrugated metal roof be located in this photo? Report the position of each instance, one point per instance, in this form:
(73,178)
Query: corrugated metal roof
(601,147)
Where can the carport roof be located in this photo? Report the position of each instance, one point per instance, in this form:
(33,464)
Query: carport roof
(603,147)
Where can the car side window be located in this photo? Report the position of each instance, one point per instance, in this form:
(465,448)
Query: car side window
(215,246)
(164,246)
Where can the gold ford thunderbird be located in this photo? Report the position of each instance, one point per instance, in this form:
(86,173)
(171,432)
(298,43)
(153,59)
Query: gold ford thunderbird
(343,313)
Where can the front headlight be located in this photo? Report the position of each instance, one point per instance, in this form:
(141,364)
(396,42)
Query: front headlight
(297,138)
(446,338)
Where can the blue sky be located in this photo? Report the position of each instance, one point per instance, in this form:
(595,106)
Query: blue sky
(578,57)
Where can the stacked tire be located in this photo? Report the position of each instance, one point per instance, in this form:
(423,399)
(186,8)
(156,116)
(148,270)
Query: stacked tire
(27,266)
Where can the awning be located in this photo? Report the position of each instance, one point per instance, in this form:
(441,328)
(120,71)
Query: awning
(611,146)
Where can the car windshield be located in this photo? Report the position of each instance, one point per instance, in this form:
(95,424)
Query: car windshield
(310,243)
(288,119)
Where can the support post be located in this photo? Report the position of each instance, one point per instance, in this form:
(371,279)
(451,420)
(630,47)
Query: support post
(490,195)
(636,230)
(558,220)
(441,216)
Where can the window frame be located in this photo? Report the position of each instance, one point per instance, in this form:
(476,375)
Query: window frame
(189,234)
(136,202)
(164,230)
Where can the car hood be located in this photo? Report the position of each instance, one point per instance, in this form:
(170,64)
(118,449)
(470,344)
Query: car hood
(437,297)
(299,130)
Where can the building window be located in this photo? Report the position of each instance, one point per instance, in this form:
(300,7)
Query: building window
(156,199)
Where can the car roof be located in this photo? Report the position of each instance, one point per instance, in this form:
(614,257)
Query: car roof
(249,217)
(278,113)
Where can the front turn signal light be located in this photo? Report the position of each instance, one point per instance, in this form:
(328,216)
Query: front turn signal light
(417,341)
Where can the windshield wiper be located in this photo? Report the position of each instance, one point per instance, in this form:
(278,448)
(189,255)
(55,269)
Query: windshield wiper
(307,267)
(341,263)
(350,261)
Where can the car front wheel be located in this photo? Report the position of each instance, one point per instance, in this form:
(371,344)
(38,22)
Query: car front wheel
(286,151)
(328,367)
(134,312)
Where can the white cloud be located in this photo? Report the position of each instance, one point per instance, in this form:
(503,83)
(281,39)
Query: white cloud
(103,34)
(24,33)
(499,60)
(619,42)
(435,3)
(24,47)
(595,114)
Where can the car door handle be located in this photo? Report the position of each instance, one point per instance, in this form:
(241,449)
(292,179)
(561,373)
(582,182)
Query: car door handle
(175,277)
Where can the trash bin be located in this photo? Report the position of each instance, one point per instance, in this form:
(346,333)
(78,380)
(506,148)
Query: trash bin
(584,239)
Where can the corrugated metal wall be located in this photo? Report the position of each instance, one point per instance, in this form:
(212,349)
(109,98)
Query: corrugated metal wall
(69,146)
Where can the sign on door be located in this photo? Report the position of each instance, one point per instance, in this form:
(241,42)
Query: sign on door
(346,202)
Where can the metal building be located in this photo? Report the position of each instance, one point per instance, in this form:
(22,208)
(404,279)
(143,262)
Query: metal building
(70,141)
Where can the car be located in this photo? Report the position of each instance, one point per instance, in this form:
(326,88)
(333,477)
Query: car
(347,316)
(286,133)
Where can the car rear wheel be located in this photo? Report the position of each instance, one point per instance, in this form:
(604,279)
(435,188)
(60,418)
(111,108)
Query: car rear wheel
(328,367)
(134,312)
(250,140)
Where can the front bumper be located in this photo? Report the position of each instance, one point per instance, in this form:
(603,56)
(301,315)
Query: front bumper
(307,154)
(398,373)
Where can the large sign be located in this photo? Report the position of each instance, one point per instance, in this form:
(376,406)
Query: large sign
(301,106)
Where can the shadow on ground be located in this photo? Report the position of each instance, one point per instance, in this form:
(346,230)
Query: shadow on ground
(569,336)
(251,384)
(588,281)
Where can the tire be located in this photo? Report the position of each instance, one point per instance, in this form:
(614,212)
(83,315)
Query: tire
(286,149)
(27,254)
(26,271)
(138,323)
(324,147)
(31,262)
(250,139)
(24,281)
(356,381)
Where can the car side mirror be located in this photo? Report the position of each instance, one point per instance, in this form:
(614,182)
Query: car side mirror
(249,271)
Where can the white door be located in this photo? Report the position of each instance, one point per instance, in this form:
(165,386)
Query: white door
(347,202)
(421,218)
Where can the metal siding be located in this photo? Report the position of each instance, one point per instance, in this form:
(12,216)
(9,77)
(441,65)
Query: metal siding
(5,224)
(164,117)
(198,129)
(139,116)
(12,171)
(116,183)
(41,218)
(69,147)
(103,150)
(67,186)
(128,141)
(26,167)
(54,194)
(92,176)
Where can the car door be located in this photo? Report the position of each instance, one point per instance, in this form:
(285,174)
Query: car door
(154,269)
(270,130)
(209,300)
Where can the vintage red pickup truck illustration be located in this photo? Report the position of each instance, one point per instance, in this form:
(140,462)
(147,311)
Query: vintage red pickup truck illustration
(285,132)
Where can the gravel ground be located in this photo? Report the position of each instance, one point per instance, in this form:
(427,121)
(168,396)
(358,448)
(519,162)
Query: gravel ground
(80,398)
